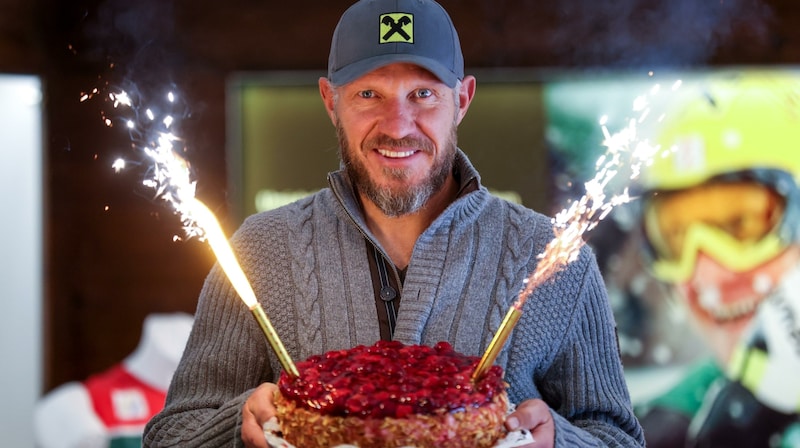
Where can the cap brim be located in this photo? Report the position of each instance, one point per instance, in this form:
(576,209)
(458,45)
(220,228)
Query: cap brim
(358,69)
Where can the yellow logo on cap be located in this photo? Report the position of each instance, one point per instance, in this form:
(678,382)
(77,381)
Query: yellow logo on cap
(397,27)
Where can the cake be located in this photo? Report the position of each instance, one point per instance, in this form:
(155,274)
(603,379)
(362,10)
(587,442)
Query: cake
(392,395)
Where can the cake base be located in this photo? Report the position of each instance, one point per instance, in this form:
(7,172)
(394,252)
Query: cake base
(479,427)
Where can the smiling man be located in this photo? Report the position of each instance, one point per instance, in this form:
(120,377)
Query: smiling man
(397,140)
(407,245)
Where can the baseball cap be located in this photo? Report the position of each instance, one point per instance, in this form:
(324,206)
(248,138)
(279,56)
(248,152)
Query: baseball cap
(374,33)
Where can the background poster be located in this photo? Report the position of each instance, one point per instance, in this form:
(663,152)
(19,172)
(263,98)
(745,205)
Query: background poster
(711,350)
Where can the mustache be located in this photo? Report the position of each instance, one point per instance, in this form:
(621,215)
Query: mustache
(384,140)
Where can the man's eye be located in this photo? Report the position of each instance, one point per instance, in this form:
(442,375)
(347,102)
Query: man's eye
(366,94)
(424,93)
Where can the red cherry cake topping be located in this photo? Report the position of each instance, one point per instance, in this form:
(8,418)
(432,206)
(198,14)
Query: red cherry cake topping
(390,379)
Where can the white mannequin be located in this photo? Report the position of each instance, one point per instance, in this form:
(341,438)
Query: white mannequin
(65,417)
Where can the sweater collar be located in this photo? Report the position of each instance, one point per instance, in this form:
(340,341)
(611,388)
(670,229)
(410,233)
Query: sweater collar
(465,207)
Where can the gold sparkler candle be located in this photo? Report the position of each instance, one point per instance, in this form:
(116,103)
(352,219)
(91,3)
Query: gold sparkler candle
(499,339)
(172,181)
(227,260)
(623,149)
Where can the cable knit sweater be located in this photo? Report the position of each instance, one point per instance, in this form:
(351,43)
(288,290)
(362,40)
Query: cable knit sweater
(307,264)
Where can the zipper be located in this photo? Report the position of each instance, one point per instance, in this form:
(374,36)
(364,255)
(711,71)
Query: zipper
(375,245)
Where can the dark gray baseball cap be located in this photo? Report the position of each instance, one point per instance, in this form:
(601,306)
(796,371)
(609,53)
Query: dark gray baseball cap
(375,33)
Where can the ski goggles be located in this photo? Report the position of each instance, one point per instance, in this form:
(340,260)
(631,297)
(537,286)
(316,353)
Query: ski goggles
(741,220)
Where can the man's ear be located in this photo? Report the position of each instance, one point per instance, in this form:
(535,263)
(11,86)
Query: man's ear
(465,96)
(327,92)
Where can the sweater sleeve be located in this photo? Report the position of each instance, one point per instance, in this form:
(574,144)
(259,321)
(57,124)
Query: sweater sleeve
(586,385)
(224,360)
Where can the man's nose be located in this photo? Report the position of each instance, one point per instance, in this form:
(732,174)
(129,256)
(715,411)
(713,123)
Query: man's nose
(398,118)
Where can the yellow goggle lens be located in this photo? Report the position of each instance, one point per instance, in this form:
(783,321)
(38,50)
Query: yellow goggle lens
(734,222)
(735,255)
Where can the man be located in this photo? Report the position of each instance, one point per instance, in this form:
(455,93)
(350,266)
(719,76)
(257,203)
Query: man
(722,221)
(407,203)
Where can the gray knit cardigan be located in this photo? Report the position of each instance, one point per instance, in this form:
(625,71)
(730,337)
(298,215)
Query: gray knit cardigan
(308,266)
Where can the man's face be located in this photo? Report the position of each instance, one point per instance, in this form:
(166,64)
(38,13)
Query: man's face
(397,135)
(723,233)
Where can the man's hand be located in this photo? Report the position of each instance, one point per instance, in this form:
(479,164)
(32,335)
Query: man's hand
(535,415)
(256,410)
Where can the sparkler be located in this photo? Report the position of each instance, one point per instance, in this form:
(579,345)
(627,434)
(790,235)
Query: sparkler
(170,177)
(622,149)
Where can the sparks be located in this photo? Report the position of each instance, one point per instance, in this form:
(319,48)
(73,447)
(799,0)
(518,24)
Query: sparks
(171,179)
(120,98)
(169,176)
(118,165)
(624,152)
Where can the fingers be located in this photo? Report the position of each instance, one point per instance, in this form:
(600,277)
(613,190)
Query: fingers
(534,415)
(256,410)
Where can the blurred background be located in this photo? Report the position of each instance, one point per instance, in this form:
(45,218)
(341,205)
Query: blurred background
(88,253)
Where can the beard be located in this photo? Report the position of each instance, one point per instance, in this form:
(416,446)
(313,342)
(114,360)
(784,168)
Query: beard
(406,199)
